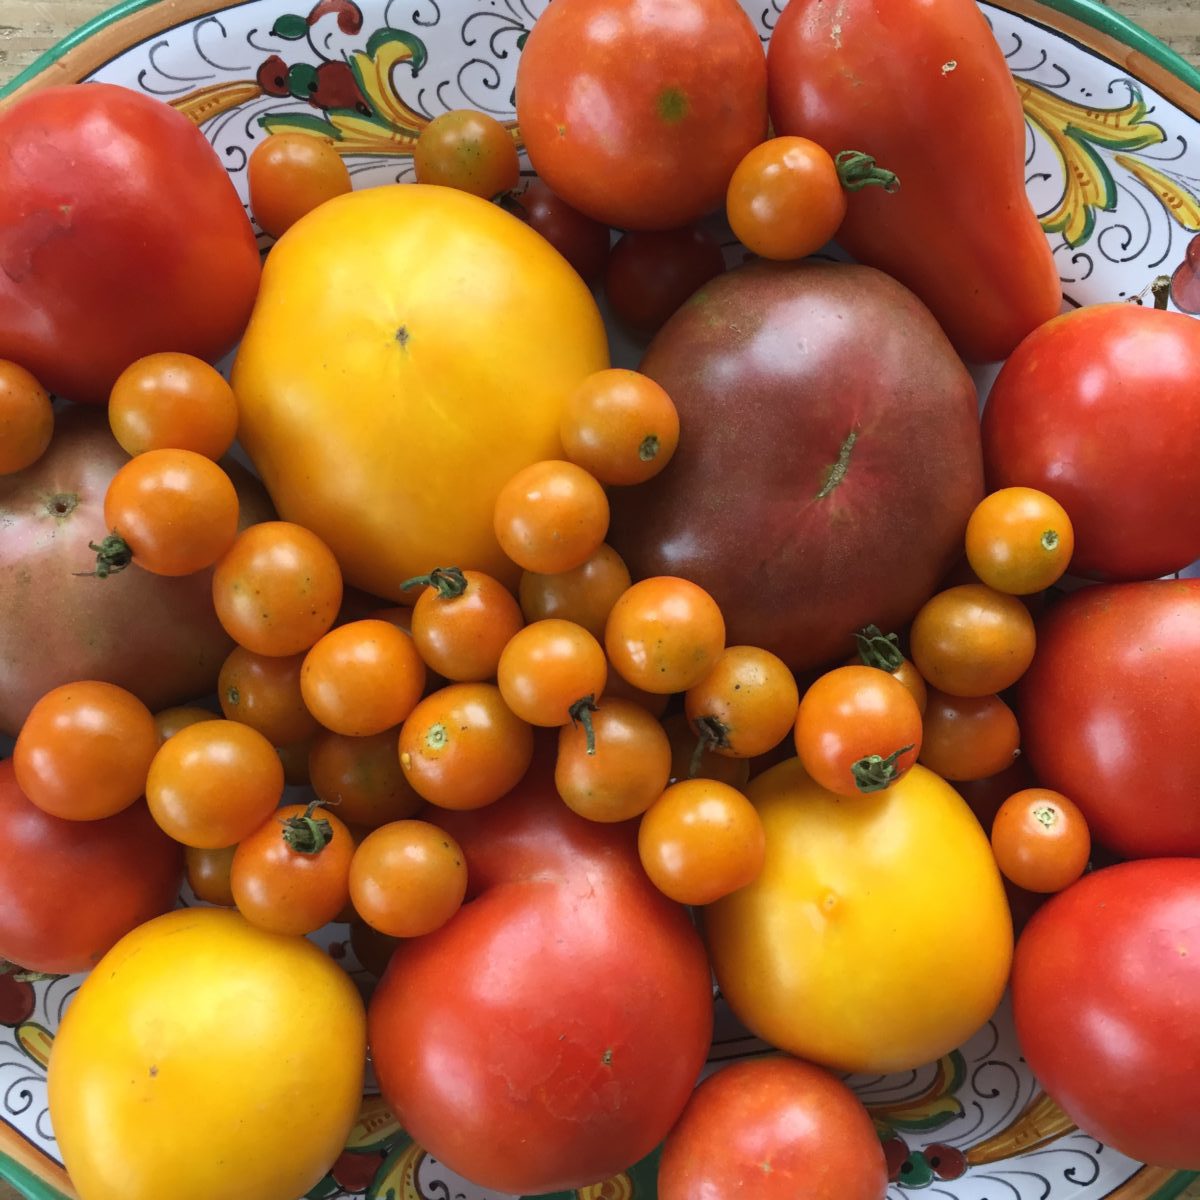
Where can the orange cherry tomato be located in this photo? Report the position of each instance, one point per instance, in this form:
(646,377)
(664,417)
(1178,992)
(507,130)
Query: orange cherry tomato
(968,737)
(294,758)
(361,778)
(26,418)
(1041,840)
(685,744)
(882,650)
(263,691)
(746,705)
(469,151)
(585,595)
(171,720)
(208,874)
(1019,540)
(290,174)
(552,673)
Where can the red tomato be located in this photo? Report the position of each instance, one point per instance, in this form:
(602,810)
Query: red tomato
(71,888)
(120,235)
(1106,987)
(584,243)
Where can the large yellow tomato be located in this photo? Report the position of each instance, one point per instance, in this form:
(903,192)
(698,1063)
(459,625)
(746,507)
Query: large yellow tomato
(411,350)
(877,937)
(204,1059)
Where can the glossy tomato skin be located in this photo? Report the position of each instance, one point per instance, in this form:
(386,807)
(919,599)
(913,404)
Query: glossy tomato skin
(1108,712)
(73,888)
(1097,409)
(120,235)
(621,116)
(551,1032)
(1115,959)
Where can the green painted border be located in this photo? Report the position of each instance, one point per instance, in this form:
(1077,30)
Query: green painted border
(24,1180)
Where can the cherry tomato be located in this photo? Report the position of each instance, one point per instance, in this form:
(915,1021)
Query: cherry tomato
(278,589)
(968,737)
(467,150)
(615,688)
(858,730)
(551,517)
(26,418)
(372,949)
(408,878)
(173,401)
(584,595)
(584,243)
(208,874)
(214,783)
(172,512)
(1041,840)
(362,778)
(290,174)
(746,705)
(462,747)
(623,773)
(710,764)
(263,691)
(620,426)
(882,650)
(664,634)
(462,621)
(972,640)
(552,673)
(785,199)
(85,750)
(1019,540)
(362,678)
(292,874)
(701,840)
(294,758)
(171,720)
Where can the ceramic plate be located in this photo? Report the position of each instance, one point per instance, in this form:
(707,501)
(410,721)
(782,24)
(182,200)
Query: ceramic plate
(1113,127)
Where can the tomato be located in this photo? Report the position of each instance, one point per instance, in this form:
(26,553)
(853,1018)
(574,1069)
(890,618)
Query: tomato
(263,692)
(972,640)
(618,110)
(123,236)
(650,275)
(1114,960)
(214,783)
(552,673)
(171,720)
(585,595)
(408,879)
(615,688)
(618,768)
(664,634)
(551,517)
(858,730)
(686,745)
(1116,447)
(746,704)
(550,1033)
(26,419)
(1019,540)
(1041,840)
(361,778)
(584,243)
(968,737)
(890,880)
(877,649)
(467,150)
(198,1014)
(362,678)
(209,874)
(620,426)
(294,758)
(71,889)
(289,175)
(785,199)
(372,948)
(436,394)
(84,750)
(775,1129)
(278,589)
(171,401)
(462,747)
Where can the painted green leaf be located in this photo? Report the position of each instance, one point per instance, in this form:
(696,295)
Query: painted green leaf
(301,123)
(386,35)
(290,27)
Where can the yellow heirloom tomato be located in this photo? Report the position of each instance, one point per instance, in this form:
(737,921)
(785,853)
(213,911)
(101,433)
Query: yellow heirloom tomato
(204,1059)
(877,936)
(412,348)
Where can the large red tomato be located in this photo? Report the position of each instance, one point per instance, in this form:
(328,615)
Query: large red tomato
(636,112)
(72,889)
(120,235)
(549,1035)
(1108,712)
(1106,988)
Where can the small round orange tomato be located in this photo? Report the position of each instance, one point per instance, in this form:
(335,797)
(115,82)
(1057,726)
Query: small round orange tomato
(1019,540)
(585,595)
(408,878)
(208,874)
(626,769)
(278,589)
(290,174)
(858,730)
(171,720)
(263,691)
(462,621)
(173,401)
(968,737)
(469,151)
(549,670)
(620,426)
(551,517)
(971,640)
(785,199)
(664,634)
(362,678)
(214,783)
(26,418)
(85,750)
(462,747)
(1041,840)
(362,778)
(701,840)
(882,650)
(746,705)
(294,758)
(693,758)
(172,512)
